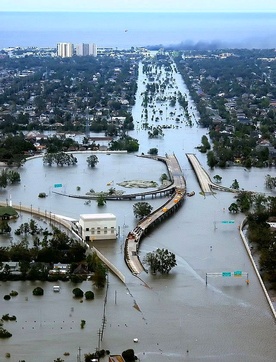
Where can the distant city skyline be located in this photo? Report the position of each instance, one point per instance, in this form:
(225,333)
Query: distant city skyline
(139,5)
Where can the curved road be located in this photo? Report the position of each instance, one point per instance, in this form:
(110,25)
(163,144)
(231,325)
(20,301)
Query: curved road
(134,237)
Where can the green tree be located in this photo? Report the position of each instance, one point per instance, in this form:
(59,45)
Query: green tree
(211,159)
(99,276)
(234,208)
(24,267)
(141,209)
(38,291)
(129,356)
(92,160)
(270,182)
(164,177)
(4,227)
(217,178)
(3,179)
(101,200)
(78,293)
(161,261)
(125,143)
(244,200)
(89,295)
(13,176)
(235,185)
(153,151)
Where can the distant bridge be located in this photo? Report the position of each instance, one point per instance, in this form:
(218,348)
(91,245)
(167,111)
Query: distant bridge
(204,180)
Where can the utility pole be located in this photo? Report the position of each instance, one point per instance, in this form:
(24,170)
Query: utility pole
(79,355)
(99,340)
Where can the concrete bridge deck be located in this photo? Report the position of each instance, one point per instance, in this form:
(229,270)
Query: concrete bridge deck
(204,180)
(161,192)
(134,237)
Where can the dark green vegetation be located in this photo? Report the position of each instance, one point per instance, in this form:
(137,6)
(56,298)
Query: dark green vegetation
(67,92)
(92,160)
(141,209)
(38,291)
(125,143)
(99,271)
(97,355)
(42,195)
(234,91)
(78,293)
(7,317)
(60,159)
(101,200)
(40,248)
(8,177)
(260,211)
(153,151)
(161,261)
(79,94)
(129,356)
(235,94)
(89,295)
(14,148)
(4,333)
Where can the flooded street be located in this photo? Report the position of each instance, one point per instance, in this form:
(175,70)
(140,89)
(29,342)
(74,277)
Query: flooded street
(175,317)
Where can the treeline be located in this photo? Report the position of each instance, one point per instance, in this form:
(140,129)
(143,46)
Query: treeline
(48,248)
(13,149)
(260,210)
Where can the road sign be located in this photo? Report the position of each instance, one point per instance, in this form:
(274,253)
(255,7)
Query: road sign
(226,274)
(228,222)
(238,273)
(57,185)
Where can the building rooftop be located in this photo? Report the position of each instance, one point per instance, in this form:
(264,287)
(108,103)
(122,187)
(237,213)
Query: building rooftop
(97,216)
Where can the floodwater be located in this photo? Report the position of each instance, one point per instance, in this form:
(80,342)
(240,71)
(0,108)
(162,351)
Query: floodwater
(175,317)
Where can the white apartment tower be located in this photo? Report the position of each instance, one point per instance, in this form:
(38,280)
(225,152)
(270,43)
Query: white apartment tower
(86,49)
(65,50)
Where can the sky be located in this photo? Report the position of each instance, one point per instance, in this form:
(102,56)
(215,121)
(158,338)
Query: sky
(140,5)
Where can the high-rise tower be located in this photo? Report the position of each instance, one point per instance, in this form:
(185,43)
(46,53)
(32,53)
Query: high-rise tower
(65,50)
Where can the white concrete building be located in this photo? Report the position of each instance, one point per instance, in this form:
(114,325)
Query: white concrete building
(65,50)
(98,227)
(86,49)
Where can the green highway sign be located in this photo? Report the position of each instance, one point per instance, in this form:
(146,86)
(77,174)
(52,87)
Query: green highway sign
(57,185)
(226,274)
(228,222)
(237,273)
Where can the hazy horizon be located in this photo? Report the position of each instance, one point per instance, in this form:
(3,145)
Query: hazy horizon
(126,29)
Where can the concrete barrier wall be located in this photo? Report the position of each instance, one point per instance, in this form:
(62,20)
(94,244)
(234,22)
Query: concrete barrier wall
(53,218)
(109,265)
(41,213)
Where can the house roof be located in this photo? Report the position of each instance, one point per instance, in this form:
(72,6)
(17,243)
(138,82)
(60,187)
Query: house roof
(8,210)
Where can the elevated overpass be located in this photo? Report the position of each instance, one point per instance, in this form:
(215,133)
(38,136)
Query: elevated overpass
(204,180)
(178,189)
